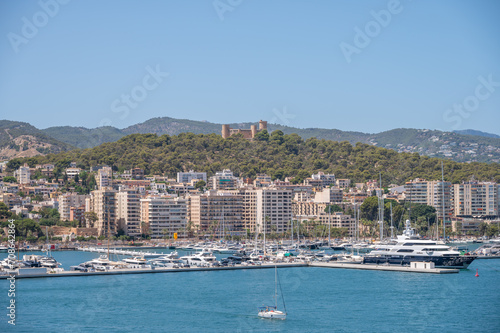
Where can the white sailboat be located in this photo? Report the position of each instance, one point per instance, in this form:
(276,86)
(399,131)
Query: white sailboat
(271,311)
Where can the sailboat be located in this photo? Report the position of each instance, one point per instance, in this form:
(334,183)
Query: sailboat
(271,311)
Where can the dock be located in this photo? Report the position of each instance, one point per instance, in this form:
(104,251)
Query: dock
(37,274)
(392,268)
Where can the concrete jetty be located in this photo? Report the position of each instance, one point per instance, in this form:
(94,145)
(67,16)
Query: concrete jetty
(38,273)
(414,268)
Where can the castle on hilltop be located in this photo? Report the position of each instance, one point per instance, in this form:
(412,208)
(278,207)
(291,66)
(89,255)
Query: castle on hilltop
(247,133)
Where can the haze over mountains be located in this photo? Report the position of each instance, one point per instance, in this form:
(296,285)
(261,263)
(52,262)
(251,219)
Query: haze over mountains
(18,139)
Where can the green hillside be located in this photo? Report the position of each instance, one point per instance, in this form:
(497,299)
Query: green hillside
(449,145)
(277,155)
(82,137)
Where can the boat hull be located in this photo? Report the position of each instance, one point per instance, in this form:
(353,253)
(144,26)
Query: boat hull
(272,315)
(460,262)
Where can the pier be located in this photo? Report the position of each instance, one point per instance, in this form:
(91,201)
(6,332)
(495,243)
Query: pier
(39,273)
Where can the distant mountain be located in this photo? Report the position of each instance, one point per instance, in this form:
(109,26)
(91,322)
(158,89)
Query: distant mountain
(19,139)
(82,137)
(451,145)
(478,133)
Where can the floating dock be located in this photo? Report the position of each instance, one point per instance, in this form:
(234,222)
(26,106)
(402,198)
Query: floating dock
(385,268)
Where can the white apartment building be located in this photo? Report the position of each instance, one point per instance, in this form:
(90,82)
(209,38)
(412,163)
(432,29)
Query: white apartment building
(68,201)
(23,174)
(187,177)
(104,177)
(128,211)
(224,180)
(476,199)
(332,195)
(163,216)
(269,209)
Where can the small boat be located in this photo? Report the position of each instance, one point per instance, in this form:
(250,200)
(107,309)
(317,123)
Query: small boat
(271,311)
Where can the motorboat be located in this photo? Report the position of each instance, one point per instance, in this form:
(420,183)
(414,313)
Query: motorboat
(409,247)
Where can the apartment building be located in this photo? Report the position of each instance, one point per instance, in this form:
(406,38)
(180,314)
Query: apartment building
(23,174)
(268,209)
(224,180)
(164,216)
(476,199)
(218,213)
(332,195)
(103,203)
(187,177)
(68,201)
(128,211)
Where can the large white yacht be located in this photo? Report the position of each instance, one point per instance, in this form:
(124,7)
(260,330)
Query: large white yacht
(410,247)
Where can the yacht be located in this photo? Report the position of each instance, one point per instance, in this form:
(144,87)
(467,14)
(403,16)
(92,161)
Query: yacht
(410,247)
(167,262)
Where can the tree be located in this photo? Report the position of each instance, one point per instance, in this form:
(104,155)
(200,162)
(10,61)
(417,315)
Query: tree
(200,185)
(9,179)
(90,217)
(333,208)
(5,213)
(262,136)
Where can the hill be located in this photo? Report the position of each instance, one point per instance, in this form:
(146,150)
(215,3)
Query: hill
(82,137)
(19,139)
(277,155)
(477,133)
(450,145)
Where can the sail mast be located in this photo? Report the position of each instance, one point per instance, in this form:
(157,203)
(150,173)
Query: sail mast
(442,186)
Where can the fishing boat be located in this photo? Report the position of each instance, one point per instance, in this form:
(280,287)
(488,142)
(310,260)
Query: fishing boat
(271,311)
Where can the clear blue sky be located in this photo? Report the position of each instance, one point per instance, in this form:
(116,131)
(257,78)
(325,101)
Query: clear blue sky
(281,61)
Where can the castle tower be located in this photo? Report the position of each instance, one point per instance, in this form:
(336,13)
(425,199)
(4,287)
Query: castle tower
(262,125)
(225,131)
(253,128)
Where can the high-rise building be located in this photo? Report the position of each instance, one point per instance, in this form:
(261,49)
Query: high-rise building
(218,213)
(104,177)
(476,199)
(164,216)
(267,209)
(68,201)
(128,211)
(433,193)
(23,174)
(104,205)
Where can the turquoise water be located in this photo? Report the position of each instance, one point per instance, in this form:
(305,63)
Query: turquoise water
(317,300)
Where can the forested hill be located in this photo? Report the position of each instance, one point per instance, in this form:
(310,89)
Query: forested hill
(277,155)
(450,145)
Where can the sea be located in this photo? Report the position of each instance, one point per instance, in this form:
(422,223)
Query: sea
(316,300)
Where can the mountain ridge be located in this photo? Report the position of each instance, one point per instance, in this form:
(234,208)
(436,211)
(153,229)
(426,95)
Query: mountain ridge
(451,145)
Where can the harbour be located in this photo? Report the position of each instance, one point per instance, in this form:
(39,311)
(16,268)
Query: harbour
(226,299)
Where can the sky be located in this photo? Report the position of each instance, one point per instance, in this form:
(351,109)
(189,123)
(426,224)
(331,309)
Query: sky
(366,65)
